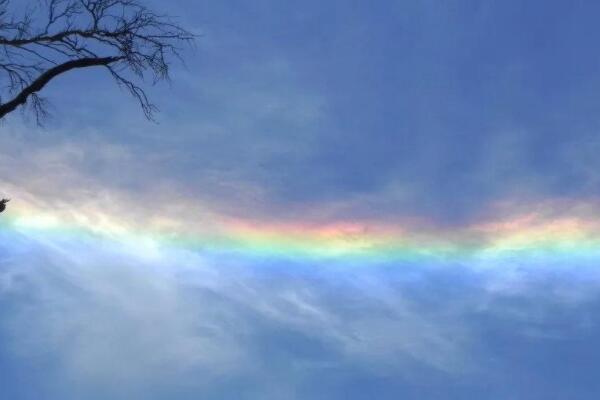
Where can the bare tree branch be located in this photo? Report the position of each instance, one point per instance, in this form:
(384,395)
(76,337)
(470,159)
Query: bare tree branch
(52,37)
(39,83)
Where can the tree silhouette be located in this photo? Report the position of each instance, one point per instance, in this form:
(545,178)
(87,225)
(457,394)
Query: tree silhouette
(52,37)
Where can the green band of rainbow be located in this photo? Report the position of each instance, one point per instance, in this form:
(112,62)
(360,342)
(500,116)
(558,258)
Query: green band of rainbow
(530,237)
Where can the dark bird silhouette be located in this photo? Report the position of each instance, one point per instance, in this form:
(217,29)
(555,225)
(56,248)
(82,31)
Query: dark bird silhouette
(3,204)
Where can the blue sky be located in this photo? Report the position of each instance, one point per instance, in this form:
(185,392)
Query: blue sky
(319,111)
(456,103)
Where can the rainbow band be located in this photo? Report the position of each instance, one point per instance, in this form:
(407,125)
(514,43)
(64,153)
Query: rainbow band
(526,238)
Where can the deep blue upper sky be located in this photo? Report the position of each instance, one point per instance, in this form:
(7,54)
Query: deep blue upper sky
(444,107)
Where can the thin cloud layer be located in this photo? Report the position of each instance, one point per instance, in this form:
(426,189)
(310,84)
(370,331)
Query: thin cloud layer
(193,322)
(177,320)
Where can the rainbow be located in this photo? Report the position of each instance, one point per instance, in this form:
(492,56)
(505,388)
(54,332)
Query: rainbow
(538,235)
